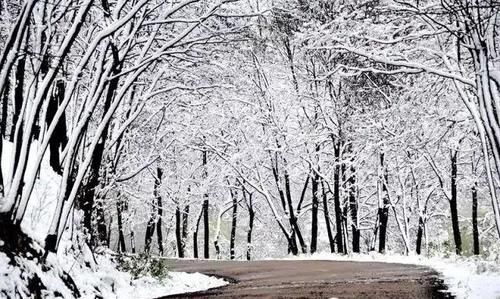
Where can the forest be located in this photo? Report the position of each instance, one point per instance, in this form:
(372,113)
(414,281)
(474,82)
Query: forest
(243,130)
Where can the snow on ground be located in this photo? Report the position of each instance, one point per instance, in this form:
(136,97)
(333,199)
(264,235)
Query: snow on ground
(101,280)
(465,277)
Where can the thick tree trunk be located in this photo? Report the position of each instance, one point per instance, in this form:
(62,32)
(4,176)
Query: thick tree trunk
(59,138)
(233,225)
(383,210)
(453,205)
(314,213)
(475,230)
(353,206)
(420,232)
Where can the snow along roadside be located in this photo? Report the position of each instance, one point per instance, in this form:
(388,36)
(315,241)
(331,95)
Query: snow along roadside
(465,277)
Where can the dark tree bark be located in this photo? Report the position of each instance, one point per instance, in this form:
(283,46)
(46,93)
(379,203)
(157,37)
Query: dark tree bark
(3,124)
(314,213)
(336,200)
(132,241)
(475,230)
(287,208)
(293,220)
(420,233)
(195,233)
(353,206)
(88,191)
(326,212)
(119,215)
(453,204)
(383,210)
(178,233)
(206,227)
(232,240)
(251,216)
(159,231)
(59,139)
(185,222)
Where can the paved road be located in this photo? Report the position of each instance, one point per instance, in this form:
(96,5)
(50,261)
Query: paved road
(314,279)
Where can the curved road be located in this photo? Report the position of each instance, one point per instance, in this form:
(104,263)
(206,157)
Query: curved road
(314,279)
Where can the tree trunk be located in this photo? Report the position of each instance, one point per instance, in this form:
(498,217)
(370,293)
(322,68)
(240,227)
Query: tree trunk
(89,189)
(383,210)
(251,216)
(132,241)
(326,212)
(59,138)
(185,222)
(475,230)
(121,236)
(195,233)
(420,233)
(336,200)
(453,205)
(233,225)
(178,233)
(293,221)
(314,213)
(206,227)
(353,206)
(159,232)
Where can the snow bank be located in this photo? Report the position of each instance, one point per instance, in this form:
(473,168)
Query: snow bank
(465,277)
(101,280)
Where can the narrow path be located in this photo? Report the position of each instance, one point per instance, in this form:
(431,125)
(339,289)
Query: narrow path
(314,279)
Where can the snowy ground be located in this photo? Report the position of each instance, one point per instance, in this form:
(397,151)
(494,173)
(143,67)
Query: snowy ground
(102,279)
(465,277)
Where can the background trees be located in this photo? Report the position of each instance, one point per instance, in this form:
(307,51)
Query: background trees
(242,129)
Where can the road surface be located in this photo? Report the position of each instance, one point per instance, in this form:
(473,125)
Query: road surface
(314,279)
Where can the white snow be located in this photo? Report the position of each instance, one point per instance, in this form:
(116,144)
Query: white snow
(469,278)
(102,279)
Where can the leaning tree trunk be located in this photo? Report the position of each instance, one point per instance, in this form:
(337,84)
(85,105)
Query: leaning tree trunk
(383,210)
(475,230)
(326,212)
(293,220)
(453,205)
